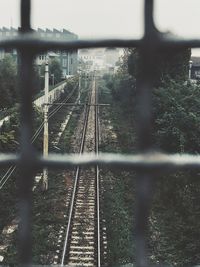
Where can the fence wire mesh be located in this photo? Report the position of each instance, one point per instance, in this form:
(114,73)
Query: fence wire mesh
(146,163)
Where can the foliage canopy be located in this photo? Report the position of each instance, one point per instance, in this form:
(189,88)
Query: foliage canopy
(8,82)
(174,217)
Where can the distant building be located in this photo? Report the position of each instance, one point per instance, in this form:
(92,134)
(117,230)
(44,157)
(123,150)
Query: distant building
(195,70)
(6,33)
(68,60)
(101,59)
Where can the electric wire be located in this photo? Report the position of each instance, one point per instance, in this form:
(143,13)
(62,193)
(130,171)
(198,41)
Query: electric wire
(11,169)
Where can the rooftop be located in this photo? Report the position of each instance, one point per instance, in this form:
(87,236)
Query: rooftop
(39,30)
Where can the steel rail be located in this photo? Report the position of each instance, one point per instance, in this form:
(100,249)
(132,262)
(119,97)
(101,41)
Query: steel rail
(11,170)
(72,204)
(64,101)
(97,177)
(7,175)
(29,44)
(53,112)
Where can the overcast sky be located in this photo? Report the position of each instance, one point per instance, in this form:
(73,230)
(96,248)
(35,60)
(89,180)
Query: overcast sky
(95,18)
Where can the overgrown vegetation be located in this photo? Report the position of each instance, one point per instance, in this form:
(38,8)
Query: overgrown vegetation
(9,89)
(174,217)
(10,130)
(8,82)
(46,225)
(118,199)
(55,74)
(9,142)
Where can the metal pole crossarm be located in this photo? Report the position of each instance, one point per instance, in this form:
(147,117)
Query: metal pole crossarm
(76,104)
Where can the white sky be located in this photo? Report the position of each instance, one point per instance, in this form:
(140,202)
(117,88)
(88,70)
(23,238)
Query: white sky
(95,18)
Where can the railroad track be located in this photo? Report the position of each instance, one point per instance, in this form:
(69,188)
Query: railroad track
(4,179)
(84,244)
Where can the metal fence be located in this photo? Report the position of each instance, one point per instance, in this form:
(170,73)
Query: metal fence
(147,163)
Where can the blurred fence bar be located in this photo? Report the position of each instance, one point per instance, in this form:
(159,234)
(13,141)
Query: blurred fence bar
(145,162)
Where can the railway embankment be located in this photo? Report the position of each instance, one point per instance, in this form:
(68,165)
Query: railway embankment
(118,188)
(8,245)
(50,210)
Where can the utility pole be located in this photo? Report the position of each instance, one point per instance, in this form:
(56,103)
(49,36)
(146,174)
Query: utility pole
(46,133)
(68,63)
(79,88)
(53,79)
(86,77)
(190,69)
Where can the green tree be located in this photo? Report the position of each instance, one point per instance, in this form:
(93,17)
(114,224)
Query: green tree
(174,217)
(10,130)
(55,73)
(55,69)
(177,117)
(170,64)
(8,82)
(38,81)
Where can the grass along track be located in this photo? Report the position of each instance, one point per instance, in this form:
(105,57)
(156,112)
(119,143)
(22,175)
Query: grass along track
(9,253)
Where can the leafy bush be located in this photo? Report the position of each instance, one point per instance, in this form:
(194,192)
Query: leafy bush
(174,218)
(177,117)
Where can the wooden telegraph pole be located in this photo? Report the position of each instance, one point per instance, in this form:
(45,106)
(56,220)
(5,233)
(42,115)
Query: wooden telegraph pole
(46,133)
(79,88)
